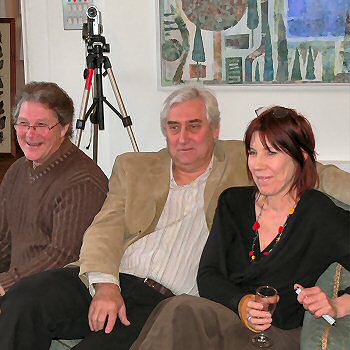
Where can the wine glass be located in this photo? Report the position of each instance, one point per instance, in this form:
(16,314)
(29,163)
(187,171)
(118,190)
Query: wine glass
(267,296)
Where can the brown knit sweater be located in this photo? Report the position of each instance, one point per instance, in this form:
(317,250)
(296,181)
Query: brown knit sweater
(44,212)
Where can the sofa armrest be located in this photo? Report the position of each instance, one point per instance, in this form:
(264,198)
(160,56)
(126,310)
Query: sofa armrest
(316,333)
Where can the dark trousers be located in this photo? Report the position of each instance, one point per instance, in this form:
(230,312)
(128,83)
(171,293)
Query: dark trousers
(55,304)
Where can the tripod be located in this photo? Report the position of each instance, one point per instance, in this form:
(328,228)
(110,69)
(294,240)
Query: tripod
(95,60)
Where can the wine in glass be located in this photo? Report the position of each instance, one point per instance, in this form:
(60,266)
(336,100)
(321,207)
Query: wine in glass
(267,296)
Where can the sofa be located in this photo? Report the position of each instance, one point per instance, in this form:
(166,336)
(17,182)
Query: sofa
(316,333)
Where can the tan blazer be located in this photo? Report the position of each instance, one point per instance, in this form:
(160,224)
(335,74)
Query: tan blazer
(138,189)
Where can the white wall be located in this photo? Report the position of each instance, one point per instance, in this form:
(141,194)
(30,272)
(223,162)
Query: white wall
(130,27)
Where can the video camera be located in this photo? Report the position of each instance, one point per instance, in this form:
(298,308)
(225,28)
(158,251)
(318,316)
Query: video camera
(92,30)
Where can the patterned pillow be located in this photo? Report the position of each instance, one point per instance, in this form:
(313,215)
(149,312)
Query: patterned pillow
(317,334)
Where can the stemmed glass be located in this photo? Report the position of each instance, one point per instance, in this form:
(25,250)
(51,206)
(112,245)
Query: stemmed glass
(267,296)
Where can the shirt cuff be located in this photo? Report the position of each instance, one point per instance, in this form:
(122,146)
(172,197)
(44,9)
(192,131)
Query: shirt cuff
(99,277)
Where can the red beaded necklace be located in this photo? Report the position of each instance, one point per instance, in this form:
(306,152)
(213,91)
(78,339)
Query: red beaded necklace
(256,226)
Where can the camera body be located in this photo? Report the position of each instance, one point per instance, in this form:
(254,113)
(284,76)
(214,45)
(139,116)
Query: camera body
(92,30)
(94,21)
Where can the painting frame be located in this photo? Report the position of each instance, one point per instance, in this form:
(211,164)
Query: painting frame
(7,85)
(187,55)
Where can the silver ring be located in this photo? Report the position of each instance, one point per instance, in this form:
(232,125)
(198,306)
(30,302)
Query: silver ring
(249,318)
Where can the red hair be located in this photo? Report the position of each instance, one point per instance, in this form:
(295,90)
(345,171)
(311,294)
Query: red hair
(289,132)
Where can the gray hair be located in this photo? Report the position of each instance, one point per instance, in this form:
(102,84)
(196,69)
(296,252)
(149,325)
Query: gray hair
(50,95)
(187,93)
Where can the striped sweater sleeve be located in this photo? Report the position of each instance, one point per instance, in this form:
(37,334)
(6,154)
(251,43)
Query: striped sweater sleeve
(75,208)
(5,243)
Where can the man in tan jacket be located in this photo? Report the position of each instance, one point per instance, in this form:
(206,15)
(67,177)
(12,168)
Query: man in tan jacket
(146,242)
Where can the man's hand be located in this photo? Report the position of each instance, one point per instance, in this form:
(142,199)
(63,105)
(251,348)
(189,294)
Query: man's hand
(107,303)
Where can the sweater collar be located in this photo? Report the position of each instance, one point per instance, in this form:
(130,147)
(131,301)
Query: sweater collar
(66,148)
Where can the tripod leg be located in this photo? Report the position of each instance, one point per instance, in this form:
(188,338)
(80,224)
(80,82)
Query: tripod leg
(99,113)
(82,116)
(121,106)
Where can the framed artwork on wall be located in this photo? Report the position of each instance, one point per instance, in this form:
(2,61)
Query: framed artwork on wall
(226,42)
(7,84)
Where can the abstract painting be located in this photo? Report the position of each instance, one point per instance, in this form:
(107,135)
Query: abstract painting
(224,42)
(7,83)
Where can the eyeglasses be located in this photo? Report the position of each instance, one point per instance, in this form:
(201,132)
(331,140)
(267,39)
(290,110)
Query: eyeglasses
(41,129)
(278,112)
(261,110)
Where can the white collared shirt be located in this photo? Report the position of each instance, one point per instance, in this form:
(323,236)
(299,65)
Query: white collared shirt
(170,255)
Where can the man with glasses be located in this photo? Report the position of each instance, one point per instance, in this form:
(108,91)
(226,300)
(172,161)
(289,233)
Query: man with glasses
(50,196)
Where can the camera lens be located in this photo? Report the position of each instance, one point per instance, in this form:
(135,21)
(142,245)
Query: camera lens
(91,12)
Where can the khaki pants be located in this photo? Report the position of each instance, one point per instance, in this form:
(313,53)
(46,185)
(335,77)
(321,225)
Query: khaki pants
(193,323)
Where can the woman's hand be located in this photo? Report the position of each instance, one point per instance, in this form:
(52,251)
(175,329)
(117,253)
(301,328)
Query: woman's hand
(258,319)
(316,301)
